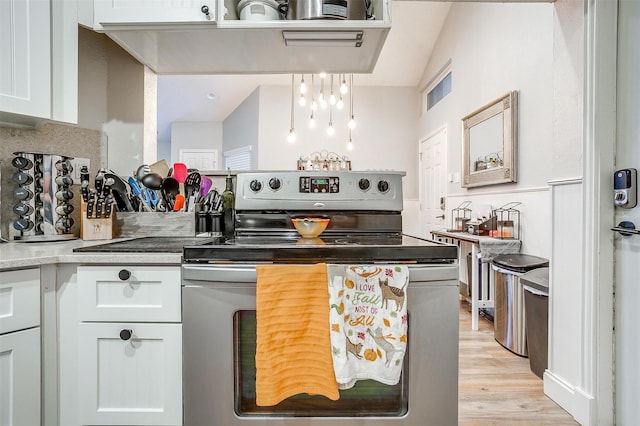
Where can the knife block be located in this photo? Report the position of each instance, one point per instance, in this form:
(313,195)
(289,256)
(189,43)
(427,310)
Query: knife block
(95,229)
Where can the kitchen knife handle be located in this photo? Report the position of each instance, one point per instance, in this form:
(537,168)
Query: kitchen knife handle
(108,205)
(99,206)
(90,203)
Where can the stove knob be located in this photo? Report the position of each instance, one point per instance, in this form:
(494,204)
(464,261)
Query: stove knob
(275,183)
(383,186)
(364,184)
(255,185)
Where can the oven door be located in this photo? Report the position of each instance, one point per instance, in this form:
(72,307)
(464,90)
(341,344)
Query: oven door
(219,351)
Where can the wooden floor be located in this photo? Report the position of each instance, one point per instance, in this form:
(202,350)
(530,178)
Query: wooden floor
(497,387)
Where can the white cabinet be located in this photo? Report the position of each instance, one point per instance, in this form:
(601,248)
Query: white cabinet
(39,51)
(129,345)
(177,38)
(25,86)
(20,347)
(130,374)
(130,12)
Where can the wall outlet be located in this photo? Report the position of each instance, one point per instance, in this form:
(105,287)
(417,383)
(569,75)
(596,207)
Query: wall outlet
(77,164)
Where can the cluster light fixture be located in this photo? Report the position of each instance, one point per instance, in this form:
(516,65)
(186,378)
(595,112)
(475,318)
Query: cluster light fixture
(335,100)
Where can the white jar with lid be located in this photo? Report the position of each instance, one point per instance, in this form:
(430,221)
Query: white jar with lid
(258,10)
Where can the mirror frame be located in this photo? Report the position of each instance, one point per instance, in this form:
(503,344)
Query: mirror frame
(508,106)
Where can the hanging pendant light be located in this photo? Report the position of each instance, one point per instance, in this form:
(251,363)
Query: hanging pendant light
(340,103)
(303,86)
(330,129)
(332,97)
(292,132)
(314,105)
(321,98)
(343,86)
(350,143)
(352,120)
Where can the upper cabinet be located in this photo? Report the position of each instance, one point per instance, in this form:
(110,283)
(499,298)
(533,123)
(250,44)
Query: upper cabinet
(39,67)
(208,37)
(127,13)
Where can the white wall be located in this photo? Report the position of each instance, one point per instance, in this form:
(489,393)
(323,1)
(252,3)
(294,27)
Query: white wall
(628,249)
(495,48)
(385,137)
(195,135)
(241,127)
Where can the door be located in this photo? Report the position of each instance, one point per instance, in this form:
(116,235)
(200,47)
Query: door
(627,249)
(201,159)
(20,378)
(151,11)
(130,374)
(25,81)
(433,182)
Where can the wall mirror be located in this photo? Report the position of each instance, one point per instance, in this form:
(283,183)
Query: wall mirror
(489,142)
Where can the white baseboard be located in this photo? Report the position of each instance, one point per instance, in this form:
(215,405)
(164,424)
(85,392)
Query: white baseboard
(571,399)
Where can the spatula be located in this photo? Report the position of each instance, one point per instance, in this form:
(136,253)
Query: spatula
(191,187)
(205,186)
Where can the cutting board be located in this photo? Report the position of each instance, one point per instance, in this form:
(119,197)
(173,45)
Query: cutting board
(160,167)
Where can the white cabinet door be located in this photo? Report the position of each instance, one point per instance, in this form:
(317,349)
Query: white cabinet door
(20,378)
(134,380)
(151,11)
(25,68)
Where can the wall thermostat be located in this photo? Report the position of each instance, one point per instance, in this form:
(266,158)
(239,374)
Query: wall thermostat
(625,188)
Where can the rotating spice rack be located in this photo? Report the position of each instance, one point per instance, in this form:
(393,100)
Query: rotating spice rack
(42,197)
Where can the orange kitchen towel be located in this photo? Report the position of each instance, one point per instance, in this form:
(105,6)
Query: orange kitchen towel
(293,346)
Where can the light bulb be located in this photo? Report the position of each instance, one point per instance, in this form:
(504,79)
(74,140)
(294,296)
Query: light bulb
(314,105)
(330,130)
(340,104)
(323,103)
(312,122)
(352,122)
(291,137)
(332,99)
(323,75)
(302,101)
(343,87)
(303,86)
(350,145)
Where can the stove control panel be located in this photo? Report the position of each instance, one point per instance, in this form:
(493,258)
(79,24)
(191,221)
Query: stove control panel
(319,185)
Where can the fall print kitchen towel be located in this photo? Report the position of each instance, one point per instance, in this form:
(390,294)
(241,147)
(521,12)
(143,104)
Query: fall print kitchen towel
(368,321)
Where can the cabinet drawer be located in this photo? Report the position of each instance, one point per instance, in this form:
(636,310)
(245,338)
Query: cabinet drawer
(129,293)
(19,299)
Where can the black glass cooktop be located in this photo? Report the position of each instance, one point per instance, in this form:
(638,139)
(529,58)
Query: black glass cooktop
(149,245)
(327,248)
(289,249)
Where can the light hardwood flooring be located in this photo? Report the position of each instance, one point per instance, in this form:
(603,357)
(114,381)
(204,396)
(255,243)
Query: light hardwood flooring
(497,387)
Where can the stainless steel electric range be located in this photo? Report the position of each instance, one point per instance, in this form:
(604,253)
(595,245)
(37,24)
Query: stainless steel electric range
(219,289)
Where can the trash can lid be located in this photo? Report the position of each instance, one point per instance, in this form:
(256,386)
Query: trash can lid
(518,262)
(537,279)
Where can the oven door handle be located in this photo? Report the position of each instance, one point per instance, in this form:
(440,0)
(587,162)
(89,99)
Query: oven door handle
(219,273)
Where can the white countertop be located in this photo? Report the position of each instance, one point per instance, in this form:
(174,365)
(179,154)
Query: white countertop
(23,254)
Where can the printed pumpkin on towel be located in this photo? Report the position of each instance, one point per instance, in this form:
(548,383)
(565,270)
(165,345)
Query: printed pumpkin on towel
(368,322)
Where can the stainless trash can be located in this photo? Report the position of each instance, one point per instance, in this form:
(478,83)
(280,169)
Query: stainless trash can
(536,303)
(509,324)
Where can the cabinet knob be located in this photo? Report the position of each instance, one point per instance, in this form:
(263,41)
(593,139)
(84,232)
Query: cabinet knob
(124,274)
(126,334)
(205,9)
